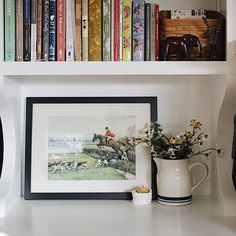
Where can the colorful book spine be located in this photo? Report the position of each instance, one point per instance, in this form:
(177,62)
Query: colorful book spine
(157,33)
(152,32)
(33,30)
(26,31)
(112,30)
(138,30)
(10,30)
(127,30)
(106,30)
(121,30)
(19,30)
(69,32)
(52,30)
(85,30)
(78,13)
(45,40)
(116,29)
(147,32)
(39,30)
(61,32)
(95,30)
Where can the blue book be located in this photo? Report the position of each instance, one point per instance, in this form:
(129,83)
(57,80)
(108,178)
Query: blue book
(26,30)
(52,30)
(138,30)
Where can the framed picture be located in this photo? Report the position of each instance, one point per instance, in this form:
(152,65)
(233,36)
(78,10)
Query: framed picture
(81,147)
(1,147)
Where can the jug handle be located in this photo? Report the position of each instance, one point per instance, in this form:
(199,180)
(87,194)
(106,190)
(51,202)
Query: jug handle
(206,172)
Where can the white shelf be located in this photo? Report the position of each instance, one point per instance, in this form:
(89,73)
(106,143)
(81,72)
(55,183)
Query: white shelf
(114,68)
(103,218)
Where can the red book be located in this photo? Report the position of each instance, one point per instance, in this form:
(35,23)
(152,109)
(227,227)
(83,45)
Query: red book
(116,29)
(157,32)
(61,33)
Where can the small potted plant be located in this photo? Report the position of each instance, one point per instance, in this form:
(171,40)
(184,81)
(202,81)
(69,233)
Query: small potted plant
(142,195)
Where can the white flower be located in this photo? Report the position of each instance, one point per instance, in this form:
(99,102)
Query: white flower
(171,151)
(173,157)
(152,149)
(131,141)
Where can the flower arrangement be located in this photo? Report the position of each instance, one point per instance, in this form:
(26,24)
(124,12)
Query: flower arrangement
(184,145)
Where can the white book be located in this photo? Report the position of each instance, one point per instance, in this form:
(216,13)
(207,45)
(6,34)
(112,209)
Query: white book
(106,30)
(33,30)
(33,42)
(70,46)
(85,30)
(74,27)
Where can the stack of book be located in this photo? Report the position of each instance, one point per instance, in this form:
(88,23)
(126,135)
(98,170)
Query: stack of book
(81,30)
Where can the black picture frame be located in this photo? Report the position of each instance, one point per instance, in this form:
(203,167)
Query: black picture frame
(31,101)
(1,147)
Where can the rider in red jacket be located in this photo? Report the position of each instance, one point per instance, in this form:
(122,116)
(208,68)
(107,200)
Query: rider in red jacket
(109,135)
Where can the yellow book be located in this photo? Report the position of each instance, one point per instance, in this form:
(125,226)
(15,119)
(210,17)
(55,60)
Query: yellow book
(95,30)
(78,16)
(127,29)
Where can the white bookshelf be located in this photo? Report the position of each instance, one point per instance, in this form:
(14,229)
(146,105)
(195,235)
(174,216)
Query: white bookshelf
(181,87)
(114,68)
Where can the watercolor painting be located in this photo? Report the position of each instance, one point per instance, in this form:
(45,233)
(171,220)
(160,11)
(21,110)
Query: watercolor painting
(91,147)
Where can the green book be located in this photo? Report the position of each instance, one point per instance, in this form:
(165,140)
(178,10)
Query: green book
(9,30)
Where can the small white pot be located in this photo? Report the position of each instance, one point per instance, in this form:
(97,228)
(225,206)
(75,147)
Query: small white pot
(141,198)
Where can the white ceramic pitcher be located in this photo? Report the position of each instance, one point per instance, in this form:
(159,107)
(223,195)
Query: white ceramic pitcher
(174,181)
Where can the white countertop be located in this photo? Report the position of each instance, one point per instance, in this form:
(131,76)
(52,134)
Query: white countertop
(115,218)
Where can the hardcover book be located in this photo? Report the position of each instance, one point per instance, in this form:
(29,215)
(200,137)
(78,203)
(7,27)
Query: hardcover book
(39,30)
(26,31)
(61,33)
(138,30)
(152,32)
(52,30)
(19,30)
(95,30)
(106,30)
(157,33)
(147,32)
(45,40)
(121,30)
(116,29)
(112,30)
(127,30)
(10,30)
(85,30)
(70,46)
(33,30)
(78,17)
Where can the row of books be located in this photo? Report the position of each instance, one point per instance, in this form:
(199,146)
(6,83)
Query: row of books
(81,30)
